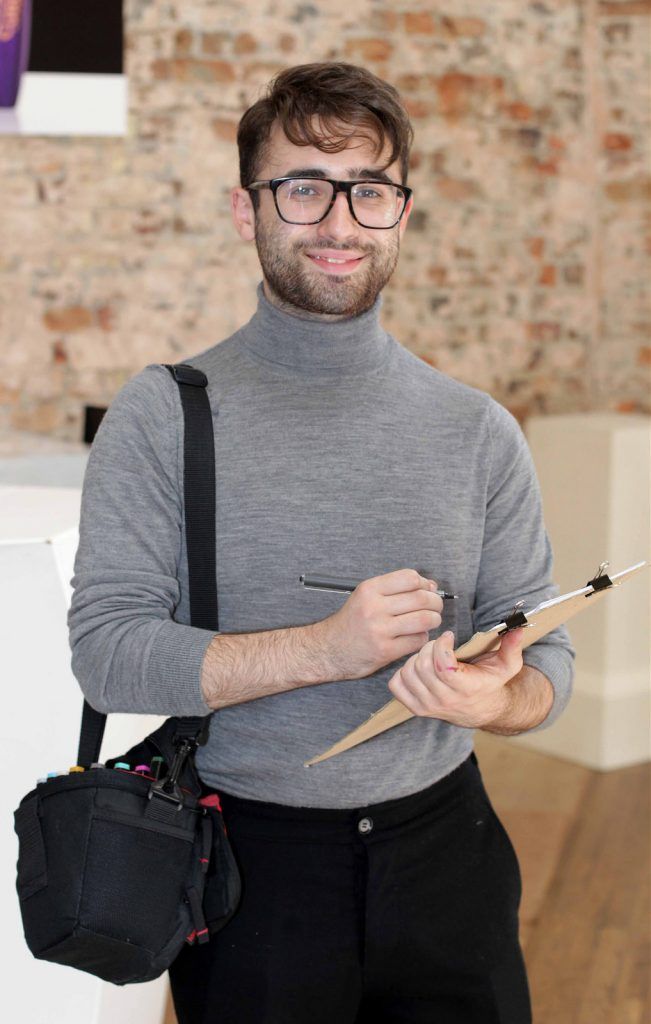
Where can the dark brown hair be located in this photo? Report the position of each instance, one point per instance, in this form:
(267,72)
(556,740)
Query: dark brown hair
(325,105)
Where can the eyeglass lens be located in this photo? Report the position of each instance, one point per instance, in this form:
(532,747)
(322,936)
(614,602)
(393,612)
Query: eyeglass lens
(305,200)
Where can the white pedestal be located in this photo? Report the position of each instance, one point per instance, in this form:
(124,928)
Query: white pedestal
(39,732)
(594,474)
(59,103)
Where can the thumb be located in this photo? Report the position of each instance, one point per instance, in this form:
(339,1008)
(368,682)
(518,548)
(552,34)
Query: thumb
(510,651)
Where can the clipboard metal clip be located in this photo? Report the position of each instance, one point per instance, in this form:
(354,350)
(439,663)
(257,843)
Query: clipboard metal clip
(601,581)
(515,620)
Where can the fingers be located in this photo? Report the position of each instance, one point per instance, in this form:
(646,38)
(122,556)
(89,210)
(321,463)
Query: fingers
(434,683)
(412,601)
(500,665)
(400,581)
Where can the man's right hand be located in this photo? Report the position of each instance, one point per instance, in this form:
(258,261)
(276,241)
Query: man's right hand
(385,618)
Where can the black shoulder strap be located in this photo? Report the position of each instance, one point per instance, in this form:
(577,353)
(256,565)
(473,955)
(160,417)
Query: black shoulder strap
(200,534)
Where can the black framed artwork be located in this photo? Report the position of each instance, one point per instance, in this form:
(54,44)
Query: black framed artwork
(61,67)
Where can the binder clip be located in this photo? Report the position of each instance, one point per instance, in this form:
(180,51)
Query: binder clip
(516,619)
(601,581)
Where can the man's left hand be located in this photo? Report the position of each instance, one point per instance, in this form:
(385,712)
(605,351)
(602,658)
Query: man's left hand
(432,683)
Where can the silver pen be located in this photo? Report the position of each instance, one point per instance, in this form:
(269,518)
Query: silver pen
(346,586)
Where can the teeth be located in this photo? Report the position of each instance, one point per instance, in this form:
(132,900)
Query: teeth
(328,259)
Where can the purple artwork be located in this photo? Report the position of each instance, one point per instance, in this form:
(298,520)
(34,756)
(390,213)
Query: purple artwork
(15,30)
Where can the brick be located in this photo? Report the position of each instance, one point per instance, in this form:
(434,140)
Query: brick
(644,356)
(223,129)
(415,83)
(384,21)
(419,23)
(574,274)
(617,141)
(536,246)
(518,111)
(544,167)
(458,92)
(543,331)
(261,70)
(148,222)
(472,27)
(42,418)
(633,190)
(68,318)
(183,42)
(59,353)
(624,8)
(244,43)
(547,274)
(456,189)
(105,317)
(286,43)
(187,70)
(368,49)
(438,275)
(213,42)
(417,108)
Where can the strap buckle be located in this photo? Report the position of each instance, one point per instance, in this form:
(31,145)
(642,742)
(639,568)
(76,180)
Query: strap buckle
(183,373)
(168,788)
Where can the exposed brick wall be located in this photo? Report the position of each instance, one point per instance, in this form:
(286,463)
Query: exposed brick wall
(524,268)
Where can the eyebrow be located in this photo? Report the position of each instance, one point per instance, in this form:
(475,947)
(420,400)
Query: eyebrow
(354,173)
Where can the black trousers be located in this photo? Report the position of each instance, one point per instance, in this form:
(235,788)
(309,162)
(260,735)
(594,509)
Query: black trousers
(404,911)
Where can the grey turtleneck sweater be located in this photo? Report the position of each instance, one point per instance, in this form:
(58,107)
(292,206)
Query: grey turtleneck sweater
(337,451)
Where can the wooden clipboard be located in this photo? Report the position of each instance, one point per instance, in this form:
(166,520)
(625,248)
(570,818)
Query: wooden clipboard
(537,622)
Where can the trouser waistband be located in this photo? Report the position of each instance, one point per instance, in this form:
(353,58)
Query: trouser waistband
(327,823)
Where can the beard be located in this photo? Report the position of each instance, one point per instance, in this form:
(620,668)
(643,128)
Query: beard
(300,286)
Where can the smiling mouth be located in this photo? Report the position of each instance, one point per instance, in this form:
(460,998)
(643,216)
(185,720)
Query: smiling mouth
(331,264)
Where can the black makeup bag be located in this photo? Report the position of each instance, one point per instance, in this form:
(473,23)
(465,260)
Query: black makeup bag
(118,868)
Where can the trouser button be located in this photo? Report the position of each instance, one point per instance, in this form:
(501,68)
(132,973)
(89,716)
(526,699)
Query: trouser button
(365,825)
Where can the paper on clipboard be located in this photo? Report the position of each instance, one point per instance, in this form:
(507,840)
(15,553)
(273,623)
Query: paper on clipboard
(536,623)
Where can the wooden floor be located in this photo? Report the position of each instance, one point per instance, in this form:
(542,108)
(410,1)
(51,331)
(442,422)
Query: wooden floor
(584,843)
(583,839)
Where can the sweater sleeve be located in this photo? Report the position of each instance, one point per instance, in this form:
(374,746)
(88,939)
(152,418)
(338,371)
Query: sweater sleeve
(516,559)
(128,653)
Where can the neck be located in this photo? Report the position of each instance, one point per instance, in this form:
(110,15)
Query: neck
(306,346)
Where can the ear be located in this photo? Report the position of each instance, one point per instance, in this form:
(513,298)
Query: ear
(243,214)
(405,217)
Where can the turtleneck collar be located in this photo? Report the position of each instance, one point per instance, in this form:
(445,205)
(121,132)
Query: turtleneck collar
(315,347)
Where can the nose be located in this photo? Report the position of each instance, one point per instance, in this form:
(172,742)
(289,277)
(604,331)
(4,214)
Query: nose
(339,223)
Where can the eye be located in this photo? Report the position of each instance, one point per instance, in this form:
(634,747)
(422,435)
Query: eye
(300,191)
(370,193)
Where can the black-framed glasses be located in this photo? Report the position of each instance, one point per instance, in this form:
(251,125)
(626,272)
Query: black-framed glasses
(373,204)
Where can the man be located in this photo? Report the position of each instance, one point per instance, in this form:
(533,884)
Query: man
(379,885)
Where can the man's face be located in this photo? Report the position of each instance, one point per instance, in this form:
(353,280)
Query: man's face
(294,257)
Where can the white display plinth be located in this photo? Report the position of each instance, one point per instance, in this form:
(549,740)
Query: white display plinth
(39,731)
(60,103)
(594,475)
